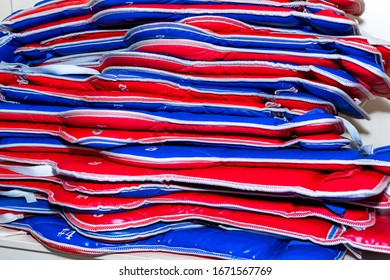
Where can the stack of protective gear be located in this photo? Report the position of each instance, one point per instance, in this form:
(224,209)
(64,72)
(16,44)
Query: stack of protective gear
(207,128)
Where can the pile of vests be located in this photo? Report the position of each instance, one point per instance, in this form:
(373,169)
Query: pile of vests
(214,128)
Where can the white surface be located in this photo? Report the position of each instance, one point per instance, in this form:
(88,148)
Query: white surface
(375,21)
(5,8)
(22,4)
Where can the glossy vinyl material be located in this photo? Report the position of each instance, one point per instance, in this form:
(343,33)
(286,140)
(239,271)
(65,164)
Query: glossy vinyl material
(152,80)
(134,234)
(20,205)
(107,138)
(380,202)
(235,69)
(352,216)
(169,85)
(204,241)
(375,238)
(351,184)
(202,156)
(175,99)
(372,74)
(46,12)
(147,102)
(324,21)
(315,121)
(355,7)
(12,173)
(12,209)
(105,40)
(186,156)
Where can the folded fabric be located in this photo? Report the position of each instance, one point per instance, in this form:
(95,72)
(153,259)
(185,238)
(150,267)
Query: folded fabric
(138,79)
(323,18)
(12,209)
(43,144)
(356,47)
(22,208)
(375,238)
(235,69)
(218,104)
(355,7)
(371,75)
(12,174)
(228,26)
(56,195)
(380,201)
(104,40)
(201,156)
(175,156)
(80,42)
(141,233)
(35,143)
(205,241)
(353,184)
(10,216)
(108,138)
(46,11)
(186,156)
(18,173)
(313,122)
(149,81)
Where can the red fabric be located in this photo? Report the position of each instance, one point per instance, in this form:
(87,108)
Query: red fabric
(177,96)
(48,7)
(361,182)
(132,120)
(381,201)
(76,134)
(299,228)
(207,52)
(235,70)
(385,51)
(354,216)
(354,7)
(72,38)
(376,238)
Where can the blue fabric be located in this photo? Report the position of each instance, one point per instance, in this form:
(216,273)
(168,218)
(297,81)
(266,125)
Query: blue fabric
(335,208)
(264,119)
(172,30)
(175,153)
(102,143)
(8,45)
(203,241)
(28,96)
(302,89)
(130,17)
(117,17)
(96,6)
(133,234)
(147,191)
(131,73)
(47,33)
(31,140)
(167,153)
(185,149)
(41,206)
(339,98)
